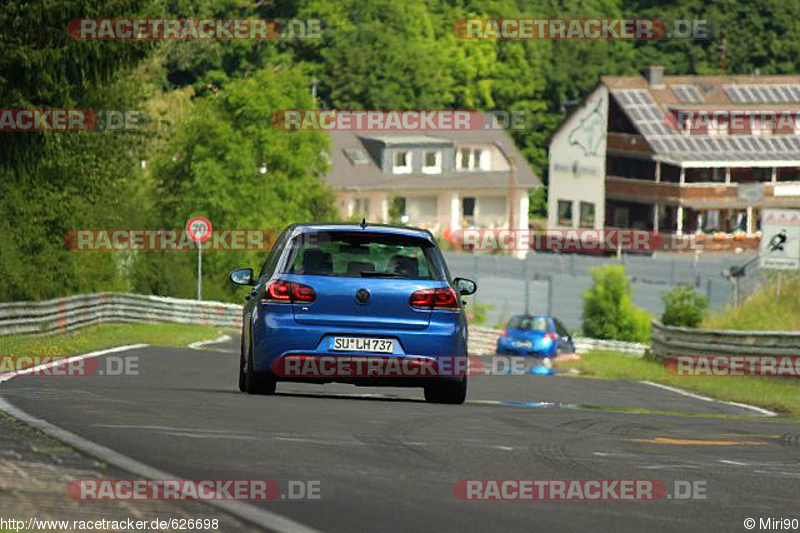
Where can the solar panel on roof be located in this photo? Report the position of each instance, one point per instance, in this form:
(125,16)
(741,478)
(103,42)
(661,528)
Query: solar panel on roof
(775,94)
(732,92)
(687,93)
(622,97)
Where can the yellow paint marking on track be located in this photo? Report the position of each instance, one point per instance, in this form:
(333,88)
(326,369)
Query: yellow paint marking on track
(692,442)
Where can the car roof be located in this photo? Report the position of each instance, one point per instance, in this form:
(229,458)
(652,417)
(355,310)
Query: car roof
(368,228)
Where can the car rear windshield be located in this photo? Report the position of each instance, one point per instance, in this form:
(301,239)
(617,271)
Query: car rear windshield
(530,323)
(362,255)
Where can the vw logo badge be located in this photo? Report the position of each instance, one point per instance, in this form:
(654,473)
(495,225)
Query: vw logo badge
(362,296)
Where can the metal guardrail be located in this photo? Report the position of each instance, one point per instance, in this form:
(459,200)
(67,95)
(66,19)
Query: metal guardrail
(671,340)
(71,313)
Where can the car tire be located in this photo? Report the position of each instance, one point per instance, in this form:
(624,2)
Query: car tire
(255,383)
(445,391)
(242,366)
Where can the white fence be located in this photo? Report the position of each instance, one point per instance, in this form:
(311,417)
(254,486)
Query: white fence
(74,312)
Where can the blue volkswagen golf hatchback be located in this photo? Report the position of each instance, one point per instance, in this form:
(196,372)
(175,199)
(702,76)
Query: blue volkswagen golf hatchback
(376,293)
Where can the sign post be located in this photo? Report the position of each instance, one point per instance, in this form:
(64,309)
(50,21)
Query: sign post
(780,241)
(199,230)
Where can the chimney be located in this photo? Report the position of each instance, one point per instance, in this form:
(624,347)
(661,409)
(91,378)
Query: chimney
(654,75)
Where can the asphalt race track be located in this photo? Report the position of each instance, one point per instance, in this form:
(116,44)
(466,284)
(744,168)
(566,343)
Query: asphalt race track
(387,461)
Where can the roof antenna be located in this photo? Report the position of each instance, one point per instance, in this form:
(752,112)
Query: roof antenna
(364,223)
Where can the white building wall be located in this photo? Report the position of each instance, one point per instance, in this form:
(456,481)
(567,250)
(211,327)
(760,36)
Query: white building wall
(578,161)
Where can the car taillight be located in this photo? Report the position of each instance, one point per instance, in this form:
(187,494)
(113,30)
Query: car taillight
(442,298)
(551,336)
(289,291)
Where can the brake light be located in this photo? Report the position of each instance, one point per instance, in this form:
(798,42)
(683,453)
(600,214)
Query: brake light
(551,336)
(442,298)
(288,291)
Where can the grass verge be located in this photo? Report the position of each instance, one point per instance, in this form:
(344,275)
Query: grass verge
(764,311)
(103,336)
(777,394)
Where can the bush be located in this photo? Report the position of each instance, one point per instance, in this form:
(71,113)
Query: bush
(608,310)
(478,312)
(683,307)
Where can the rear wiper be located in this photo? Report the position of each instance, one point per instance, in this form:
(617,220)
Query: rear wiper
(374,274)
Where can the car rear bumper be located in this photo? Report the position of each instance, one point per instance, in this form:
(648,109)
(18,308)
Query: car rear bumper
(276,335)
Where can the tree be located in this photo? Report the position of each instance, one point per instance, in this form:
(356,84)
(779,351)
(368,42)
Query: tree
(212,168)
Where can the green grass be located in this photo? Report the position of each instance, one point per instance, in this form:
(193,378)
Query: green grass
(105,336)
(763,311)
(778,394)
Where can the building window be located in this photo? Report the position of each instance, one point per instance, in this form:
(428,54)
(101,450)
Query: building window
(402,162)
(468,207)
(462,159)
(587,215)
(397,210)
(432,162)
(361,206)
(473,159)
(564,213)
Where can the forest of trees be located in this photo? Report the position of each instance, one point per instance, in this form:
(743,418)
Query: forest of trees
(209,104)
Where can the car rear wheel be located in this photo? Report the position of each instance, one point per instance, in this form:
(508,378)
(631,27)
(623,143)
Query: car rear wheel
(445,391)
(254,383)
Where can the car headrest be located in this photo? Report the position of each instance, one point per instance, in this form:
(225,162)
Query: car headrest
(404,265)
(317,262)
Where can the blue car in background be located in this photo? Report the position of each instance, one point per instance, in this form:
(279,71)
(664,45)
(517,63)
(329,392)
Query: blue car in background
(535,336)
(336,290)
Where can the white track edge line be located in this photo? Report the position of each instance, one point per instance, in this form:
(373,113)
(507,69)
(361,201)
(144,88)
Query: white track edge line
(221,338)
(267,519)
(759,410)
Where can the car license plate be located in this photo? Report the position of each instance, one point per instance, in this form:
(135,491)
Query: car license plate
(363,344)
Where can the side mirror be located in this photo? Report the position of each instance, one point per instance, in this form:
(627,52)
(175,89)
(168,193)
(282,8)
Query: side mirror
(465,286)
(242,276)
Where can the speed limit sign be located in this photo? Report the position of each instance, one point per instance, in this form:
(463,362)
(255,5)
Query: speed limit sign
(199,229)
